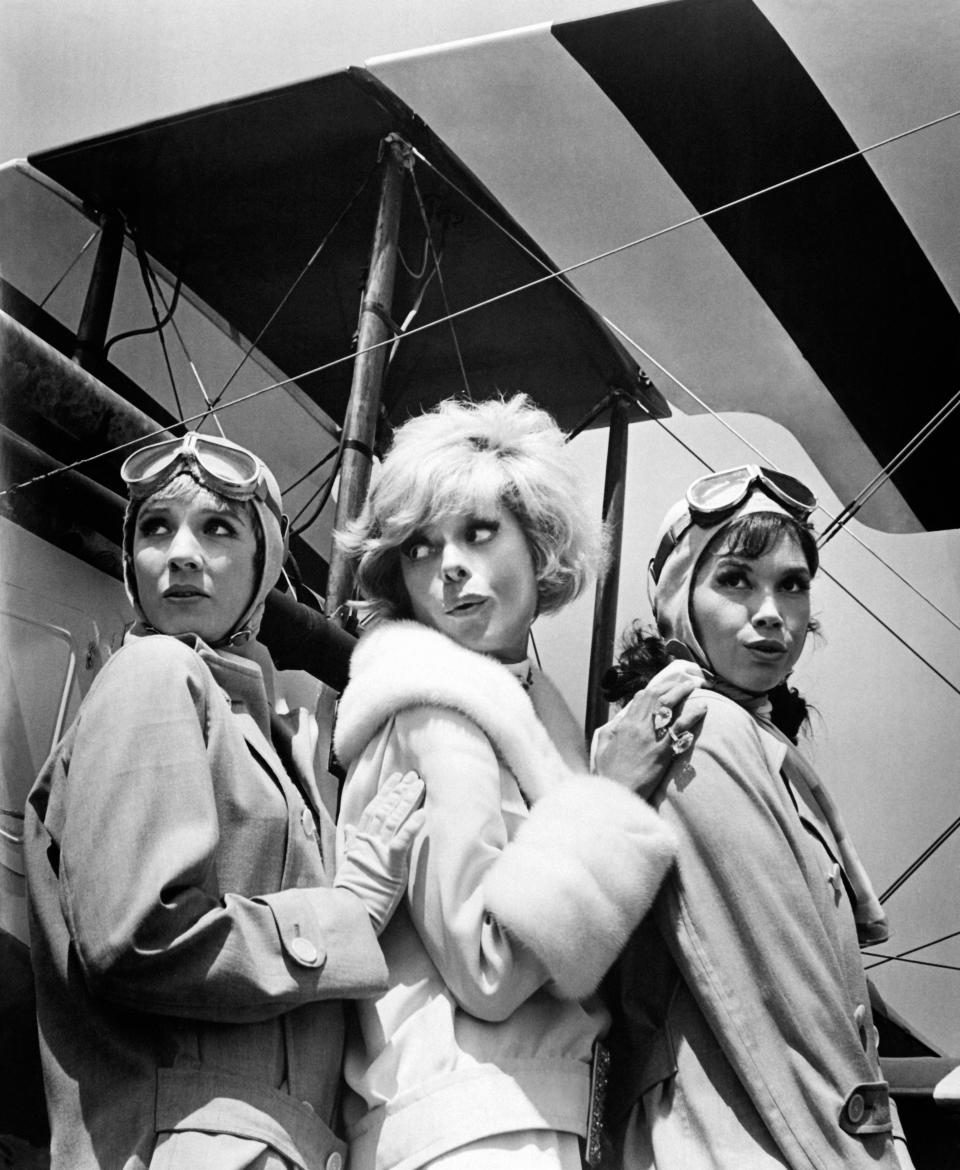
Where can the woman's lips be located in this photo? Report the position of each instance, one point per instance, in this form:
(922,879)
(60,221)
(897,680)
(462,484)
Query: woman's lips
(465,606)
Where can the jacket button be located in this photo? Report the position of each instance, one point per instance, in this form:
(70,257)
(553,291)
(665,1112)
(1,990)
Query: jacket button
(334,1162)
(856,1109)
(835,879)
(304,950)
(309,824)
(860,1019)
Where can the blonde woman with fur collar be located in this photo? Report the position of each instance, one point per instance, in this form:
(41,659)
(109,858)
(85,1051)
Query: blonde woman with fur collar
(528,874)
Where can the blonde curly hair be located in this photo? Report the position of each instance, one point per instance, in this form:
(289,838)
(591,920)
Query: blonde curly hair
(465,457)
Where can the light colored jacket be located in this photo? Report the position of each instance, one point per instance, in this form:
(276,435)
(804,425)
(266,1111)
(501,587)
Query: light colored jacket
(189,956)
(745,1029)
(525,881)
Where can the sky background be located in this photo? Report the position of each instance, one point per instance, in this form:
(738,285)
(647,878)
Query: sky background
(75,68)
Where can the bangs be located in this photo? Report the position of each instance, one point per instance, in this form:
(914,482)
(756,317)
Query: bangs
(752,536)
(186,487)
(473,487)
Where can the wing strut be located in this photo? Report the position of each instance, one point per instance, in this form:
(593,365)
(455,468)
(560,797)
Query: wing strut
(608,580)
(95,318)
(360,420)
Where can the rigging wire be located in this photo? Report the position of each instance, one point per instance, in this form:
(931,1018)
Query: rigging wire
(912,962)
(885,473)
(424,260)
(440,281)
(70,267)
(149,328)
(911,951)
(323,490)
(144,273)
(290,291)
(326,488)
(183,346)
(924,857)
(310,470)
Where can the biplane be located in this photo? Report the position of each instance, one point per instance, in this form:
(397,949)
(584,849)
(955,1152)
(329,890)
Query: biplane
(700,232)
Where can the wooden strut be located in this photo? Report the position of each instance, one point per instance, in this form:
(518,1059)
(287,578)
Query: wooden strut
(95,317)
(360,421)
(608,582)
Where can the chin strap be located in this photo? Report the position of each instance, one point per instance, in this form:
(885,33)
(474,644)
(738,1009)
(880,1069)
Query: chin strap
(238,638)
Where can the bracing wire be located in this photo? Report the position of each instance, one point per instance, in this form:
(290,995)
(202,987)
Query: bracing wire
(920,860)
(424,261)
(310,470)
(157,328)
(912,962)
(883,959)
(70,267)
(290,291)
(440,281)
(323,494)
(890,469)
(326,488)
(145,274)
(183,345)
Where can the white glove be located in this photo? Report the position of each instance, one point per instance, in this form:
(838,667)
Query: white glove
(377,848)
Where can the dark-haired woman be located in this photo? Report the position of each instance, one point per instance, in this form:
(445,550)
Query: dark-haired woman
(745,1035)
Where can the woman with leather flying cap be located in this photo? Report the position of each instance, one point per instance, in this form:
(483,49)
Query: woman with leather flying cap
(190,944)
(744,1030)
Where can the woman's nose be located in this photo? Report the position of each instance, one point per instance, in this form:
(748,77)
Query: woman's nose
(767,612)
(452,564)
(184,551)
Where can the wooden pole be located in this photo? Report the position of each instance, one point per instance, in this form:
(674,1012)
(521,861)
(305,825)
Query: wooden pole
(95,317)
(605,604)
(360,421)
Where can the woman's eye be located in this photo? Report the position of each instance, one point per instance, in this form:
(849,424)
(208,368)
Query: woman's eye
(152,526)
(482,531)
(416,550)
(797,584)
(220,528)
(731,578)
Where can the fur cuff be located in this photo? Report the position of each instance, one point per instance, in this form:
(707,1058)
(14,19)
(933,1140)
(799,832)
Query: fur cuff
(581,872)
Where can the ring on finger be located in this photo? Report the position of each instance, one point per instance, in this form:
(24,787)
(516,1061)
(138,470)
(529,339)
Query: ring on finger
(680,743)
(662,718)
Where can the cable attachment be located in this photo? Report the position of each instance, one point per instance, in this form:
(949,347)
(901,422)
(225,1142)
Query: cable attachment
(403,152)
(378,310)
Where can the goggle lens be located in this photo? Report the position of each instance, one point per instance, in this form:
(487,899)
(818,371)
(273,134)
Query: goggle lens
(725,490)
(229,468)
(232,471)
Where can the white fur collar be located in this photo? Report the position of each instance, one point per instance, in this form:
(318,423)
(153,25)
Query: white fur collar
(404,664)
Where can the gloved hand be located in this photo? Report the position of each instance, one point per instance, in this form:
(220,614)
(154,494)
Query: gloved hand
(377,848)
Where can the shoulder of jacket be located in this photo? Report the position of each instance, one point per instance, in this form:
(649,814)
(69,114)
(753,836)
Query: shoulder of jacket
(402,665)
(154,660)
(730,731)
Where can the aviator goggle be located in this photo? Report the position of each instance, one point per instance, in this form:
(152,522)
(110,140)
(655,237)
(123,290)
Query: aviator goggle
(230,470)
(712,498)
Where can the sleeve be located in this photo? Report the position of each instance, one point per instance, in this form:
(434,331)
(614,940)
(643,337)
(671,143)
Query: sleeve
(744,929)
(489,973)
(140,850)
